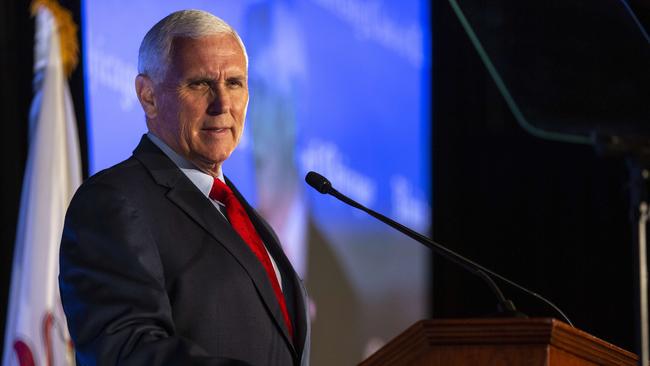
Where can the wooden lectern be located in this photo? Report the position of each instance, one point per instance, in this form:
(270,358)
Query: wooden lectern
(498,342)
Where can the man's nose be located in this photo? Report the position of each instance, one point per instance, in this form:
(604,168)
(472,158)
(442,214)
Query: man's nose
(220,102)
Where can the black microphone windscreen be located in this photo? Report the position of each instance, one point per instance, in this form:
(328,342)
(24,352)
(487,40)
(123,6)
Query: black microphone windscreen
(318,182)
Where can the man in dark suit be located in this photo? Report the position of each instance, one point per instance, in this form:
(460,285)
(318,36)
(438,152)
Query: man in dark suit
(162,261)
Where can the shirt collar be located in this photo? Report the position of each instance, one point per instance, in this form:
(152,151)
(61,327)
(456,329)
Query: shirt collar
(201,180)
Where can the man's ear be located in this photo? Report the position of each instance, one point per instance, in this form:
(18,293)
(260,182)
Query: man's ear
(144,90)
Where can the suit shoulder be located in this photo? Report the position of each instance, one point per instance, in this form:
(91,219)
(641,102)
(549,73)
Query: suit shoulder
(126,178)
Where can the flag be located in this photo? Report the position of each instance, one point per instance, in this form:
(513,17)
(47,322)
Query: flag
(36,332)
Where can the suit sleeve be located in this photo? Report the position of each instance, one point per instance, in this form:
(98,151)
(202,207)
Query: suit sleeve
(113,288)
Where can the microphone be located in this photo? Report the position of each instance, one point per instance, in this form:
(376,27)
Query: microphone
(320,183)
(505,306)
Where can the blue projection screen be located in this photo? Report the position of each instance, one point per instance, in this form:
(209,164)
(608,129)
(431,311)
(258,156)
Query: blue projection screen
(341,87)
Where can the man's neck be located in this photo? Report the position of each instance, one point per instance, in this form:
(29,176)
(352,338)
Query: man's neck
(181,161)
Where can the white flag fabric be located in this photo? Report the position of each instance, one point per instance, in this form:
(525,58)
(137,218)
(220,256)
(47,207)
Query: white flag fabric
(36,331)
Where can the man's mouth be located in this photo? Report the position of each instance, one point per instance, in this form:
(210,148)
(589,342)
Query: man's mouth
(216,130)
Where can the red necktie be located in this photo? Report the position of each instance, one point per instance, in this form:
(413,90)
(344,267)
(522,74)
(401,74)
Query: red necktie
(244,227)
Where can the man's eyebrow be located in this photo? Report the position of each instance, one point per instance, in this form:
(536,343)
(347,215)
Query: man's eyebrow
(235,71)
(208,77)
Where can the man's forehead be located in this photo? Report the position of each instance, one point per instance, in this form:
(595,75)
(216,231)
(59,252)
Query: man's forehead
(219,43)
(211,57)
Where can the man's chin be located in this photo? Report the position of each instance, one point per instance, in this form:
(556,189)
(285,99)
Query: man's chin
(210,162)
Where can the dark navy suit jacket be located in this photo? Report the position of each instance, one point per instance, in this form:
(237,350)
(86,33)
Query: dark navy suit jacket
(152,274)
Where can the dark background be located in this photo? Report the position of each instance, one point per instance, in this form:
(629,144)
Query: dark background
(552,216)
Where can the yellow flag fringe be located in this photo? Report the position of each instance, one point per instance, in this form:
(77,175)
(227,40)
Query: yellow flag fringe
(66,30)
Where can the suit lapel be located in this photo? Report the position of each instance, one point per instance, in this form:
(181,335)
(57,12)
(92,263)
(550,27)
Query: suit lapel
(275,248)
(188,198)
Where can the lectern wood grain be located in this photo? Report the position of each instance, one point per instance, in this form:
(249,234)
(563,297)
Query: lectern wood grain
(498,342)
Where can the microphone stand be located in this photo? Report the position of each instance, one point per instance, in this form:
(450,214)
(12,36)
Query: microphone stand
(636,151)
(506,307)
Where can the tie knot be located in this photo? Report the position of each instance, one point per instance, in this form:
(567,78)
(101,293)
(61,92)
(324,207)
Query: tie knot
(220,191)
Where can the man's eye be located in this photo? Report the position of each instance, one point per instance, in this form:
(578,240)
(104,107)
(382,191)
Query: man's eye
(235,83)
(199,84)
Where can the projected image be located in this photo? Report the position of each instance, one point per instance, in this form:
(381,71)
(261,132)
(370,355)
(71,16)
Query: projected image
(338,87)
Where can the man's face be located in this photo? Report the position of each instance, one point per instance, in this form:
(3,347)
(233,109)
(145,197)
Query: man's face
(200,105)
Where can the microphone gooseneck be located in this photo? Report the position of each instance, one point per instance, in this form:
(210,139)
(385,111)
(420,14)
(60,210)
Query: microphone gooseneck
(506,307)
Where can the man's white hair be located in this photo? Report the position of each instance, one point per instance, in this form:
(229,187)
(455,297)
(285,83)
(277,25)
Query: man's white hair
(155,49)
